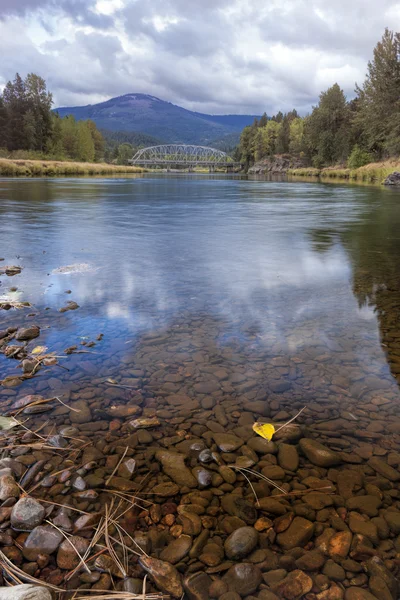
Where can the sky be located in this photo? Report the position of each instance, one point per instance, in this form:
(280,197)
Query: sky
(213,56)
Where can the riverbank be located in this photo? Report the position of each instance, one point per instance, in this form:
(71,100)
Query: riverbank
(51,168)
(371,173)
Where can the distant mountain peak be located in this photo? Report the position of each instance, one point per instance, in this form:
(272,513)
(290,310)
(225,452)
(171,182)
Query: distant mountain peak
(144,113)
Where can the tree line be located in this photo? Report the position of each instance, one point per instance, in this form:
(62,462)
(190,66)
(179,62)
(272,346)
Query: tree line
(28,124)
(355,132)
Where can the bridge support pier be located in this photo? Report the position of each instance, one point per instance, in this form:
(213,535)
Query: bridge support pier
(211,169)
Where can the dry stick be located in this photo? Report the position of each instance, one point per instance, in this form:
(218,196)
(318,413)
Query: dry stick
(116,468)
(9,566)
(290,420)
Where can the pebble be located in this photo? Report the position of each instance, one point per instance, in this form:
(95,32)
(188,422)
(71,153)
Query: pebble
(318,454)
(241,542)
(43,539)
(243,578)
(173,464)
(177,549)
(27,514)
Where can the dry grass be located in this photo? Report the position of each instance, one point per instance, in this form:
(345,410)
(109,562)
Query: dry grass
(52,168)
(371,173)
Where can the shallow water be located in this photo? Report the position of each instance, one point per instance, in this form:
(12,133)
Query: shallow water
(209,286)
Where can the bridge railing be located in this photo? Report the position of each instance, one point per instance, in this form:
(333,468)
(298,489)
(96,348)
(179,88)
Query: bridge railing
(182,155)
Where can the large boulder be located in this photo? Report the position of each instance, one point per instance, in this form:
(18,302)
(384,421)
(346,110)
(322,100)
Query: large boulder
(392,179)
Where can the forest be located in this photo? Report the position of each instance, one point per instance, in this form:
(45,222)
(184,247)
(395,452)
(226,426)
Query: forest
(338,132)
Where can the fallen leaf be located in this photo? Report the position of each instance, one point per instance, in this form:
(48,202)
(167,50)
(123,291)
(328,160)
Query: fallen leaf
(39,350)
(266,430)
(7,423)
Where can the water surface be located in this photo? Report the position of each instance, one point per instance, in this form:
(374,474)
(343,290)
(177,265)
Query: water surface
(209,286)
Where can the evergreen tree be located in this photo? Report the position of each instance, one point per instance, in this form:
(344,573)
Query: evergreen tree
(98,141)
(39,102)
(263,121)
(15,101)
(3,124)
(283,139)
(85,142)
(327,129)
(379,98)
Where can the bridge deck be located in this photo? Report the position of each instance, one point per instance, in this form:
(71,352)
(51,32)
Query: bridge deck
(186,163)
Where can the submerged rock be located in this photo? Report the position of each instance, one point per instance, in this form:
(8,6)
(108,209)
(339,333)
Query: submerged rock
(243,578)
(27,514)
(27,333)
(165,576)
(173,465)
(319,454)
(241,542)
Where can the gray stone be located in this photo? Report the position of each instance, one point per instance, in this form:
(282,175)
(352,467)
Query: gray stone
(25,591)
(27,333)
(241,542)
(243,578)
(27,514)
(392,179)
(44,539)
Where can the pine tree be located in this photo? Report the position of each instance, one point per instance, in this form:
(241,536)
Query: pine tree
(15,101)
(379,98)
(39,102)
(85,142)
(3,124)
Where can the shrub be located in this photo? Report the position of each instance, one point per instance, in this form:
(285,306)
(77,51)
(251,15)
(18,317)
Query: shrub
(358,158)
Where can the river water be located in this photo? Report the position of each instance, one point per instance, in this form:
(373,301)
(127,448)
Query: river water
(204,303)
(290,288)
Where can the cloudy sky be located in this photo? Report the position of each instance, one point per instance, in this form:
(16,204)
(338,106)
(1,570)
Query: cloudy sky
(217,56)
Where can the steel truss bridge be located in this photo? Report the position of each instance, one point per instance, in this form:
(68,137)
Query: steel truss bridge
(183,155)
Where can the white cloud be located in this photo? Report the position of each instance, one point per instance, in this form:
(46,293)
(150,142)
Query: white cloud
(215,56)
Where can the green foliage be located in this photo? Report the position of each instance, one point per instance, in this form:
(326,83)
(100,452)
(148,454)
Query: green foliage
(379,98)
(125,153)
(358,158)
(27,124)
(337,131)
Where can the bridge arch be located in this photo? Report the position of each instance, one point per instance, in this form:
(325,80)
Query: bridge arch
(185,155)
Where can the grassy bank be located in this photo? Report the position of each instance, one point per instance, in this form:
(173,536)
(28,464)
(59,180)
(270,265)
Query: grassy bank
(51,168)
(372,173)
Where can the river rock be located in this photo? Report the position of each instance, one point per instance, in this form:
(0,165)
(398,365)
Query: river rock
(365,504)
(8,487)
(357,593)
(25,591)
(166,489)
(392,179)
(27,514)
(67,555)
(294,586)
(288,457)
(81,412)
(238,507)
(381,467)
(318,454)
(272,506)
(241,542)
(44,539)
(165,576)
(27,333)
(177,549)
(227,442)
(196,586)
(243,578)
(173,465)
(299,533)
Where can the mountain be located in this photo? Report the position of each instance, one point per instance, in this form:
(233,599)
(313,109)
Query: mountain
(165,121)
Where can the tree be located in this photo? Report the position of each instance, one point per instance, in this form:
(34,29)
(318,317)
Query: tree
(327,129)
(39,102)
(125,153)
(85,142)
(379,98)
(98,141)
(283,139)
(296,144)
(3,124)
(15,101)
(263,121)
(69,135)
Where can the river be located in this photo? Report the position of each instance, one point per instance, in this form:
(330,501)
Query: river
(211,301)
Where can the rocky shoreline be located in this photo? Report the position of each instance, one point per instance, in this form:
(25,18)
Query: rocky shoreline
(276,165)
(189,516)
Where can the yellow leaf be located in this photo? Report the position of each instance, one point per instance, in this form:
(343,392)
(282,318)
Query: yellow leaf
(39,350)
(266,430)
